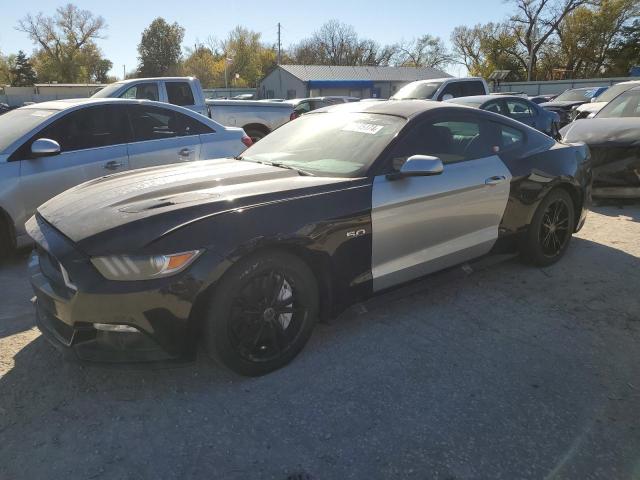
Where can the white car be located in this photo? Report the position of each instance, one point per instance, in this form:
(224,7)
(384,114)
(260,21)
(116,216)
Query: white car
(50,147)
(588,110)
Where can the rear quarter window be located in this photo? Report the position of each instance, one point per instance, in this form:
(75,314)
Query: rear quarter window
(179,93)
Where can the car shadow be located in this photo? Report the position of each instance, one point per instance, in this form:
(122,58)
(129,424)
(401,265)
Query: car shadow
(617,208)
(16,314)
(401,346)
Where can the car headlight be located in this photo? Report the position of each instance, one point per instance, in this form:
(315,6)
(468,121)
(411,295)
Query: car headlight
(128,268)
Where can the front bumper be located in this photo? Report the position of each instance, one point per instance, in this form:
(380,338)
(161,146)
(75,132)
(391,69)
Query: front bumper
(73,308)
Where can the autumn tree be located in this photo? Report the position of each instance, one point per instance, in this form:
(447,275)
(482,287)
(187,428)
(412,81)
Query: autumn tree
(248,57)
(160,51)
(63,41)
(206,65)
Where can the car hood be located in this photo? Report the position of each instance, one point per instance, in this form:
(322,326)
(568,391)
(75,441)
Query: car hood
(132,209)
(591,107)
(604,132)
(562,104)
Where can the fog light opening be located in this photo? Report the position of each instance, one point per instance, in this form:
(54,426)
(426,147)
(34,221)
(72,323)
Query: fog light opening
(115,327)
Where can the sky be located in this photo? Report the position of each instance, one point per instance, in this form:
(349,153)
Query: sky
(386,22)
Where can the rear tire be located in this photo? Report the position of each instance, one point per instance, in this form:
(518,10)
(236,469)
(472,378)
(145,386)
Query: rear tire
(262,313)
(6,246)
(550,231)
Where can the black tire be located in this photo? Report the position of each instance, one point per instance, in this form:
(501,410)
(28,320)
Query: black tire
(6,246)
(550,231)
(255,134)
(252,326)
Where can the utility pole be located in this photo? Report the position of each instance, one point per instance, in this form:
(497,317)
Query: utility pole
(279,46)
(124,72)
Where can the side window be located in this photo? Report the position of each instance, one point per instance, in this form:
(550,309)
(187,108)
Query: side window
(473,87)
(153,123)
(494,106)
(179,93)
(518,109)
(453,140)
(509,137)
(454,89)
(303,107)
(92,127)
(142,91)
(316,104)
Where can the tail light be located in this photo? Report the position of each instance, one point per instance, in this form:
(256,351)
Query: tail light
(293,116)
(247,140)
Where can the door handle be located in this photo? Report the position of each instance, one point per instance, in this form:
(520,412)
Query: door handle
(112,165)
(185,152)
(495,180)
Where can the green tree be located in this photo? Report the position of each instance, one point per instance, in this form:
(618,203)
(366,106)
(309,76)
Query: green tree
(159,51)
(626,52)
(63,41)
(22,73)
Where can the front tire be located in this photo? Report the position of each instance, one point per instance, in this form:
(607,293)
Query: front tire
(550,231)
(262,313)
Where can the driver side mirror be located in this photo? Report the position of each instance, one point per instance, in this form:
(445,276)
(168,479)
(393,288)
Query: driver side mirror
(419,166)
(45,147)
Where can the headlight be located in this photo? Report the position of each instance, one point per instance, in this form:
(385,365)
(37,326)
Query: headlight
(128,268)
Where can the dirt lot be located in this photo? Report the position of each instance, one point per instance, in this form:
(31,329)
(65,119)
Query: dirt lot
(507,372)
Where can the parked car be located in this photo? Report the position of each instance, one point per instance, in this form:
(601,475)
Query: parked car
(246,254)
(515,107)
(49,147)
(244,96)
(613,137)
(570,99)
(183,91)
(305,105)
(588,110)
(538,99)
(442,89)
(255,117)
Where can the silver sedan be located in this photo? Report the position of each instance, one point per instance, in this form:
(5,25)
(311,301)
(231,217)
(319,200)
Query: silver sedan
(49,147)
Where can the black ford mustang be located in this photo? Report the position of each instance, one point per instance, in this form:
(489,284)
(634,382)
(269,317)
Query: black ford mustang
(247,254)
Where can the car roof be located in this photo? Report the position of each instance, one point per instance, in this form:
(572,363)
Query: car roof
(77,102)
(153,79)
(480,99)
(398,108)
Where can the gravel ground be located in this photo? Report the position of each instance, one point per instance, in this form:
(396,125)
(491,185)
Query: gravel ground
(506,372)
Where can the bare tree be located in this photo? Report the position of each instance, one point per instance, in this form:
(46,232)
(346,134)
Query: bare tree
(424,51)
(536,21)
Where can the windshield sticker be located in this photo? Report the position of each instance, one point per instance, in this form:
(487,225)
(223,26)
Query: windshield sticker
(369,128)
(41,113)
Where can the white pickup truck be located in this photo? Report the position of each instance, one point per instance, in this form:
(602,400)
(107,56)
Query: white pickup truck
(256,118)
(183,91)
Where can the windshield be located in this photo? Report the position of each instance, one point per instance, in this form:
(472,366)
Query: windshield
(625,105)
(335,144)
(616,90)
(108,91)
(16,123)
(417,91)
(577,95)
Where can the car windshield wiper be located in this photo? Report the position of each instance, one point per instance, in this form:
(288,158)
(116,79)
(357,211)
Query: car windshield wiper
(279,165)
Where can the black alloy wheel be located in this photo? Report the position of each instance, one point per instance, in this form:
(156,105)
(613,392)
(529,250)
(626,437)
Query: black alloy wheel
(550,230)
(554,231)
(262,313)
(266,317)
